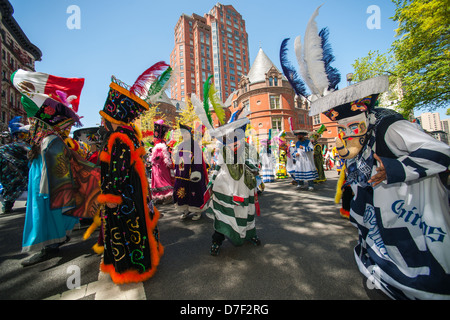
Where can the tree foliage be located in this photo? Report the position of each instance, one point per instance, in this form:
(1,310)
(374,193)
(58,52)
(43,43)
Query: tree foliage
(418,63)
(377,64)
(422,52)
(187,116)
(372,65)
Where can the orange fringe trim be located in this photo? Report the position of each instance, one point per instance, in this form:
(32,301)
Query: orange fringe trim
(156,249)
(104,198)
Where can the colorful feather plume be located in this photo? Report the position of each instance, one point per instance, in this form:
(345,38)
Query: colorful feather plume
(206,99)
(217,104)
(289,71)
(333,74)
(161,83)
(314,58)
(200,111)
(143,82)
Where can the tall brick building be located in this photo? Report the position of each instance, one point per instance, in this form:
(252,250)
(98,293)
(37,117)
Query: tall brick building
(17,53)
(214,44)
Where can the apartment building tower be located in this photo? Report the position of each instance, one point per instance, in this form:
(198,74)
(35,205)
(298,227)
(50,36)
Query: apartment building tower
(17,52)
(430,121)
(214,44)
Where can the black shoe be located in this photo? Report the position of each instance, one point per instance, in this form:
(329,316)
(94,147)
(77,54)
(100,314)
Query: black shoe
(7,208)
(214,251)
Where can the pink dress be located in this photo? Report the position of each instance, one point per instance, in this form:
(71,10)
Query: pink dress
(162,180)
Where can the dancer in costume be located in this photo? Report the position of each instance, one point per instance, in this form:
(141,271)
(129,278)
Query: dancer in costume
(162,180)
(267,161)
(338,162)
(233,200)
(191,174)
(282,156)
(328,159)
(132,249)
(62,186)
(400,206)
(281,170)
(318,154)
(91,137)
(14,164)
(304,168)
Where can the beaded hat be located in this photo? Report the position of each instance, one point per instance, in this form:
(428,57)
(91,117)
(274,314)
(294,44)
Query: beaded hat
(124,104)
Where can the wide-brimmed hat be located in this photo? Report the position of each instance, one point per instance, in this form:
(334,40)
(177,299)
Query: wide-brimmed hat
(50,99)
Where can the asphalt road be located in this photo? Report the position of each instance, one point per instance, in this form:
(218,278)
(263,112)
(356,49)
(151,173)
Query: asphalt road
(306,254)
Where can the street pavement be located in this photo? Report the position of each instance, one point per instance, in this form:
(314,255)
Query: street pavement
(306,254)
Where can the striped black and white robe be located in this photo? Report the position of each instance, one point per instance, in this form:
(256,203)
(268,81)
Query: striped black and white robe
(404,222)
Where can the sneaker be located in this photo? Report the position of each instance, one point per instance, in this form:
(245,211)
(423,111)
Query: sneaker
(44,255)
(255,240)
(310,188)
(184,215)
(214,251)
(197,216)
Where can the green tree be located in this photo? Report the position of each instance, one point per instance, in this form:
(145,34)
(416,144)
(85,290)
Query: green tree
(422,52)
(372,65)
(376,64)
(187,116)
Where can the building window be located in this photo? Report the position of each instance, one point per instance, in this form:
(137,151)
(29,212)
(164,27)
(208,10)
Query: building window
(276,124)
(316,119)
(246,106)
(275,102)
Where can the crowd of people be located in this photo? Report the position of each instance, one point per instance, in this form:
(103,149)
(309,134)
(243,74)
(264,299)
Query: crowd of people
(390,183)
(106,175)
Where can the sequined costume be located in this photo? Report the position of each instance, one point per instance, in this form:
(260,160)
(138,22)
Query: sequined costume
(132,249)
(191,176)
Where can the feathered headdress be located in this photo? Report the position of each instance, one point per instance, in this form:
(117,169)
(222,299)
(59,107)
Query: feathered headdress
(203,110)
(314,58)
(125,104)
(210,98)
(289,71)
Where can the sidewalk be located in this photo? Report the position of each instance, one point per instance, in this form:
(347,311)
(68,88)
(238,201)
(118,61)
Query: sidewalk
(103,289)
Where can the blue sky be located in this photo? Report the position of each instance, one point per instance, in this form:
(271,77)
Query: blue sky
(125,38)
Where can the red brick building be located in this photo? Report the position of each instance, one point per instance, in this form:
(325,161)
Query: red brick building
(267,94)
(17,53)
